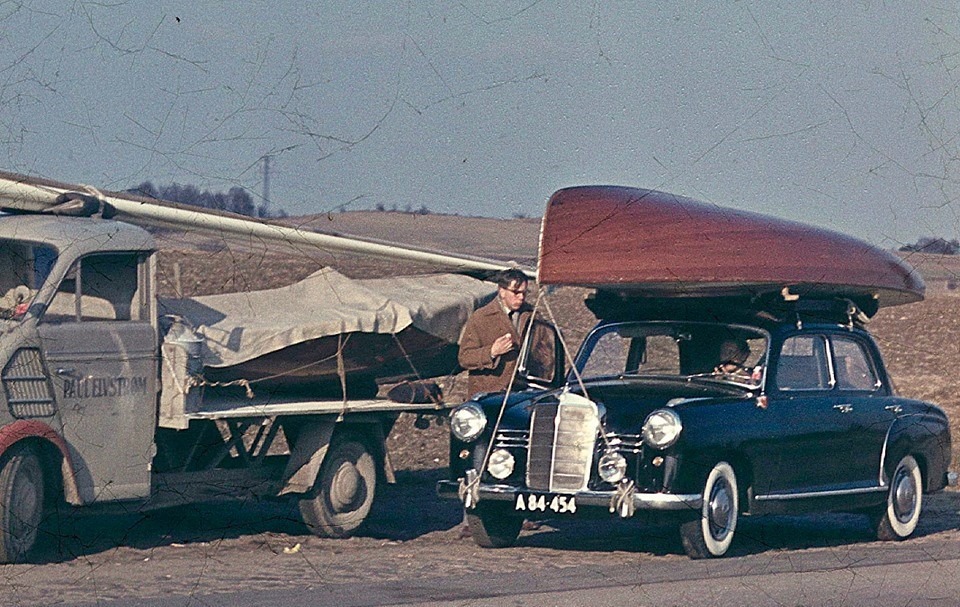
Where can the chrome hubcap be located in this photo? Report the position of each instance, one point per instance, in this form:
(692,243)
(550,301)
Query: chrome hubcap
(904,496)
(720,510)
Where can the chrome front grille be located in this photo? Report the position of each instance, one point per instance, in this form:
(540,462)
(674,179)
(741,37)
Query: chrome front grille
(26,386)
(508,439)
(562,438)
(626,444)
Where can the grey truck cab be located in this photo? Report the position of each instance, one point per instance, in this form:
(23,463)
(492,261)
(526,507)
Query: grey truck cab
(79,357)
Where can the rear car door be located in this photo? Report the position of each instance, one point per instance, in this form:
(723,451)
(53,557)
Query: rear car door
(861,397)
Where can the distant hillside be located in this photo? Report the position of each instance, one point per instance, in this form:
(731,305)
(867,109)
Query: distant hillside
(940,272)
(506,239)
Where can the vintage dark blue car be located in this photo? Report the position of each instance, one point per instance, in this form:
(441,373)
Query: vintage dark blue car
(730,373)
(775,411)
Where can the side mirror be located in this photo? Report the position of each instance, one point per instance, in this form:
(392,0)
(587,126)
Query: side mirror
(541,358)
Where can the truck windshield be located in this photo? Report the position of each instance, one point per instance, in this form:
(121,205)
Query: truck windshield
(24,267)
(728,353)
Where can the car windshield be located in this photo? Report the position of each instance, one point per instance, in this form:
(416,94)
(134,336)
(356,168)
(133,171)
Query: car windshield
(24,267)
(689,350)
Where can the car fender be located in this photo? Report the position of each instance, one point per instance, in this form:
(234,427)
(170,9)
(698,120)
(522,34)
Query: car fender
(924,435)
(22,429)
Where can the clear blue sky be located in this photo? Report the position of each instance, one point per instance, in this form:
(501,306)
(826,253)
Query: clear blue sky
(845,115)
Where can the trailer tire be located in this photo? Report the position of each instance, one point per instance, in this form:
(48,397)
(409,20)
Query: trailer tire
(21,503)
(343,493)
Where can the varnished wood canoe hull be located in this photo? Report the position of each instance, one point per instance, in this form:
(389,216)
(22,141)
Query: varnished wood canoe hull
(649,242)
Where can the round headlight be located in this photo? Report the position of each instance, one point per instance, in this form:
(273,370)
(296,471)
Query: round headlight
(612,467)
(662,428)
(467,422)
(501,464)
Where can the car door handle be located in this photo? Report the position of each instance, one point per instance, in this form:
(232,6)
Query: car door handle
(843,408)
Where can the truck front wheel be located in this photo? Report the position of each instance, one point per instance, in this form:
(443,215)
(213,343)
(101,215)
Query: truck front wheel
(21,503)
(343,494)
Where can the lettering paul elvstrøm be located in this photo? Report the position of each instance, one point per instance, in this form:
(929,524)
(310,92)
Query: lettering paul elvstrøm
(104,387)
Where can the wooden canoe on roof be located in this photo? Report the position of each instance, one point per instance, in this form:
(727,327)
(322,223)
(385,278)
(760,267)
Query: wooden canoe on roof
(646,242)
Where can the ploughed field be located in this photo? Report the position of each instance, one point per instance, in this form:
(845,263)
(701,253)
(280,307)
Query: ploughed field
(921,347)
(920,342)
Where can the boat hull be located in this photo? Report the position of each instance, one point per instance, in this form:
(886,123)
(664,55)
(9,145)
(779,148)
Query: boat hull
(649,242)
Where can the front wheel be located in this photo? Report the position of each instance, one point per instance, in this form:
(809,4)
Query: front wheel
(21,503)
(711,534)
(898,519)
(344,490)
(494,525)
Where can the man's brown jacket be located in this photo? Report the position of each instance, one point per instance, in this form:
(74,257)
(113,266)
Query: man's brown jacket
(483,328)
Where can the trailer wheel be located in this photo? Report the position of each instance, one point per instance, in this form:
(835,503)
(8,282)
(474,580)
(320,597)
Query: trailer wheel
(343,494)
(21,503)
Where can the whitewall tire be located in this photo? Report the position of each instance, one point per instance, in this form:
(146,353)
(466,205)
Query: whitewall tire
(711,534)
(899,517)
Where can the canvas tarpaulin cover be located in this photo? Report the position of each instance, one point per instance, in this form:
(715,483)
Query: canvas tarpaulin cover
(238,327)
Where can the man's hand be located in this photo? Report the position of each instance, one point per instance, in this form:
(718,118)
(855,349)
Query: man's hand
(502,345)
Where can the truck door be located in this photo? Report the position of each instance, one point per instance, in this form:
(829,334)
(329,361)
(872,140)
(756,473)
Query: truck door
(100,349)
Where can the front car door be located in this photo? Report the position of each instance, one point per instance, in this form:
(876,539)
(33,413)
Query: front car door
(805,430)
(101,351)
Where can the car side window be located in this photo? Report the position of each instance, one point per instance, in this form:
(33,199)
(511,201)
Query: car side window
(803,364)
(854,370)
(608,356)
(97,288)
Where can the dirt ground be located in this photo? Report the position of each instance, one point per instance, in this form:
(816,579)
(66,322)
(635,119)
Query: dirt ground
(411,539)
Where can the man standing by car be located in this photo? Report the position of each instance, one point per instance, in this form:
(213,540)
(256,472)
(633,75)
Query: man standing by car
(490,342)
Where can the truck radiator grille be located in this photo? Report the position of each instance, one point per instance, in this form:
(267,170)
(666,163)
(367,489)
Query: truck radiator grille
(562,438)
(26,386)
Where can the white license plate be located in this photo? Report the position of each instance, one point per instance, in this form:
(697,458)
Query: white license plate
(558,504)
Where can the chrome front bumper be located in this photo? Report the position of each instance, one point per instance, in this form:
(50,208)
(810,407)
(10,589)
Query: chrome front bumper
(602,499)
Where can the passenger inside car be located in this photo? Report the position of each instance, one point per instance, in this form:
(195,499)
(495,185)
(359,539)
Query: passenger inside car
(733,356)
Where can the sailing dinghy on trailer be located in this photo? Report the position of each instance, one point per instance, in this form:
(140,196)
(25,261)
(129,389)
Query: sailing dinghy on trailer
(306,335)
(106,394)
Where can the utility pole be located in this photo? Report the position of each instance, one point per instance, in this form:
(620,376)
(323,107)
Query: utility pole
(266,185)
